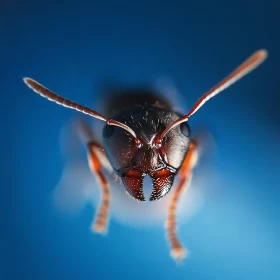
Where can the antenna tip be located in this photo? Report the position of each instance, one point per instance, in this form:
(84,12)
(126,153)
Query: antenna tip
(263,53)
(27,80)
(30,82)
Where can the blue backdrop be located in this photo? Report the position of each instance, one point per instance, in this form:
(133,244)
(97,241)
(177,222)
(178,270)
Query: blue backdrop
(72,48)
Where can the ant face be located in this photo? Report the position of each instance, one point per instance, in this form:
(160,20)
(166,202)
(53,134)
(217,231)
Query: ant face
(160,162)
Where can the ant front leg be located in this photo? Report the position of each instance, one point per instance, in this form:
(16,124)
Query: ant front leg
(185,174)
(97,159)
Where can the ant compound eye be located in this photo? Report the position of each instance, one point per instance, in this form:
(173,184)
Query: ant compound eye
(185,129)
(108,131)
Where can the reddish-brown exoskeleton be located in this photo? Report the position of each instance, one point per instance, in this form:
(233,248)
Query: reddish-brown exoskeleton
(146,139)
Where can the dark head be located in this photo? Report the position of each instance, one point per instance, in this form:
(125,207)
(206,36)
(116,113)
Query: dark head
(133,162)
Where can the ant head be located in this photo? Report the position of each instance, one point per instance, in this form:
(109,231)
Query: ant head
(134,160)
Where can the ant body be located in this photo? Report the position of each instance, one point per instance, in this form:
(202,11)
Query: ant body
(150,139)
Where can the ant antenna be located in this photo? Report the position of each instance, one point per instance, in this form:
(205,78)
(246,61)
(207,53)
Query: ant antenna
(43,91)
(242,70)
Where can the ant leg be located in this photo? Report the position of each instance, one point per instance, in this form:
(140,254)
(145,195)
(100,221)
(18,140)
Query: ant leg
(97,159)
(185,174)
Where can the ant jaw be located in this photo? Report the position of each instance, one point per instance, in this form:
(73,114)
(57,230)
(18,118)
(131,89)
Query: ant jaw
(162,183)
(133,182)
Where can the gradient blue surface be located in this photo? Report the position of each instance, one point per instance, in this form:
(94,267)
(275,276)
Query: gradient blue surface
(71,49)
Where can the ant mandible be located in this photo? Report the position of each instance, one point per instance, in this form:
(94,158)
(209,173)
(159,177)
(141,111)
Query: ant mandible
(150,139)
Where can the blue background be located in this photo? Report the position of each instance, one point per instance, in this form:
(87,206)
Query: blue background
(71,48)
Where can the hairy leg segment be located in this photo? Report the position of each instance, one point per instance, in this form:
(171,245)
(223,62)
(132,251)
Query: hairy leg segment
(178,252)
(97,159)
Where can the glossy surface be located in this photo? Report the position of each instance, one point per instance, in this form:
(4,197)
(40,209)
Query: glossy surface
(148,123)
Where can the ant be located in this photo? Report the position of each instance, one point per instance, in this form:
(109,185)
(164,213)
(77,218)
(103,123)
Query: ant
(146,139)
